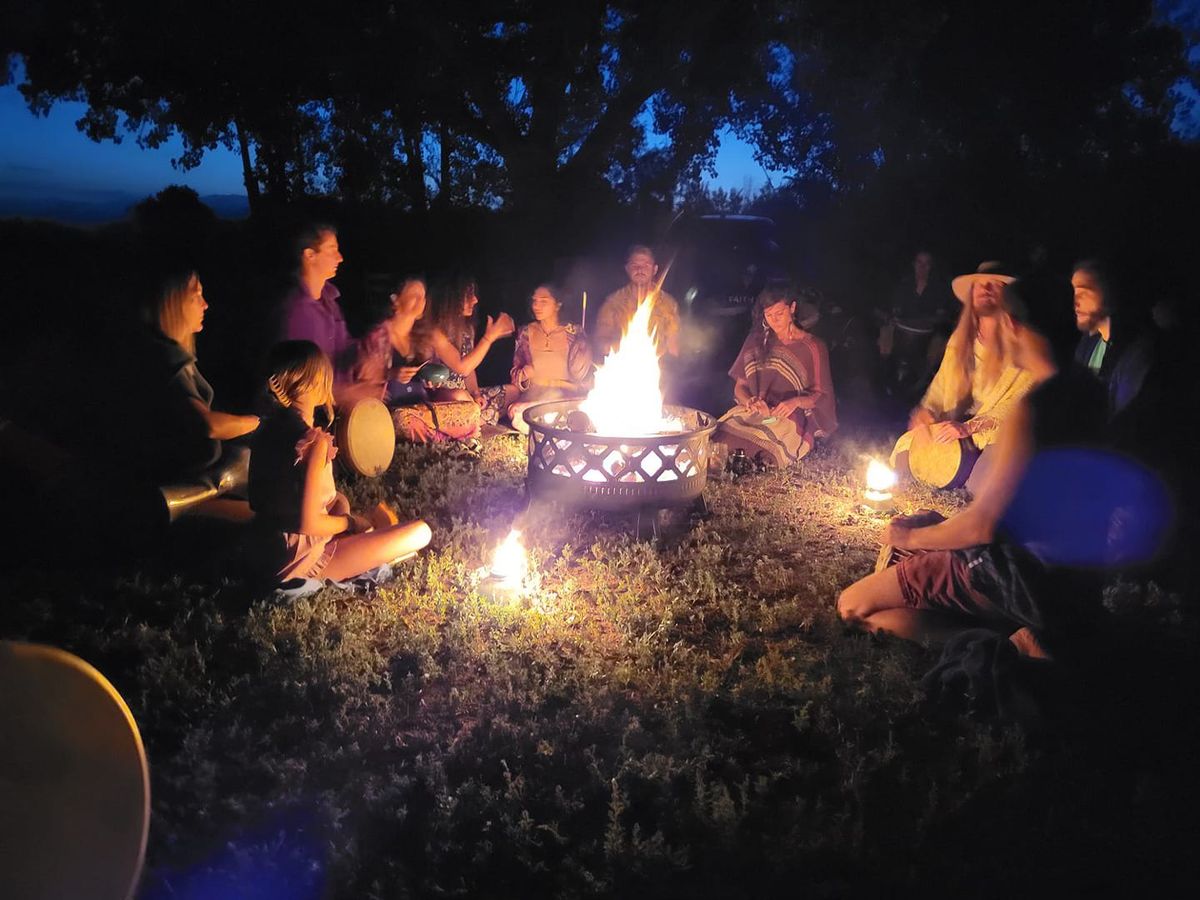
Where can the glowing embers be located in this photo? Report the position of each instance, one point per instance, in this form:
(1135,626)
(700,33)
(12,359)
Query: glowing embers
(604,463)
(627,399)
(616,472)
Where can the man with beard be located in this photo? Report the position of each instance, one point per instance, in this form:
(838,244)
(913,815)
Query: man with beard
(1111,351)
(619,306)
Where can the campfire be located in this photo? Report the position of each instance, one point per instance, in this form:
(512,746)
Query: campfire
(621,447)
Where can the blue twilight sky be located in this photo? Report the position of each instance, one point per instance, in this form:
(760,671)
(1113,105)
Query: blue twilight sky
(49,156)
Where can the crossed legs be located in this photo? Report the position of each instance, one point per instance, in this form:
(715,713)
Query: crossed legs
(354,554)
(877,604)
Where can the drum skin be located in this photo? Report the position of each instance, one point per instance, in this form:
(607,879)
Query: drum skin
(366,438)
(74,783)
(941,465)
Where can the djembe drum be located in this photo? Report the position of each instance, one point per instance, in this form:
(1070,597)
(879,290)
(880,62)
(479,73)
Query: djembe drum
(941,465)
(366,438)
(74,784)
(890,555)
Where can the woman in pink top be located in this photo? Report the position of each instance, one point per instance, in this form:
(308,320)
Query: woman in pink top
(304,527)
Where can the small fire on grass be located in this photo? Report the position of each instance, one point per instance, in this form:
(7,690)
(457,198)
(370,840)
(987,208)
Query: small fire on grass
(505,577)
(880,482)
(510,561)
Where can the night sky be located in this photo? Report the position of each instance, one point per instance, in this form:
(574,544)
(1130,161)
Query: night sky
(47,164)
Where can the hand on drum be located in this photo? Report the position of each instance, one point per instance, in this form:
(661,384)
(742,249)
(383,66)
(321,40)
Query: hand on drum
(945,432)
(920,416)
(897,534)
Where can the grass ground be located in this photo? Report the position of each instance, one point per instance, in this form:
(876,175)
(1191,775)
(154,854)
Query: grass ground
(688,719)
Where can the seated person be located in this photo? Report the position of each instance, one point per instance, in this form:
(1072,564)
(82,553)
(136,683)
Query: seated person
(175,439)
(451,330)
(304,528)
(1111,351)
(1015,560)
(977,384)
(391,355)
(552,360)
(782,386)
(618,307)
(311,311)
(920,314)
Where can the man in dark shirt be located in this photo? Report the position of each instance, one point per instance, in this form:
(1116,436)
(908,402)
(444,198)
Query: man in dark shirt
(1111,351)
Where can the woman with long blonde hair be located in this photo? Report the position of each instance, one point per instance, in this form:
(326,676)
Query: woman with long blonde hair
(175,439)
(992,360)
(303,527)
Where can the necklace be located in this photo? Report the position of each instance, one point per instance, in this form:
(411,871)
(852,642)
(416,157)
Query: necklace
(546,334)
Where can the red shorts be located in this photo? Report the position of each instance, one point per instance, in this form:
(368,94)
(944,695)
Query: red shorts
(941,580)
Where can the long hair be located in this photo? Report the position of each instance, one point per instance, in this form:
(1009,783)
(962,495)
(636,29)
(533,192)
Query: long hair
(422,330)
(445,309)
(999,350)
(164,310)
(297,367)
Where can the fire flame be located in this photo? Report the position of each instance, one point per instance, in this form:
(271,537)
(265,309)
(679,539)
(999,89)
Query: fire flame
(880,479)
(627,400)
(509,562)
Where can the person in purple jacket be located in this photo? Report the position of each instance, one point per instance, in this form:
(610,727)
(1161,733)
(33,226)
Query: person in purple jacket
(311,312)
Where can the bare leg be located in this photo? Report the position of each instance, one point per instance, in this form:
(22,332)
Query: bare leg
(919,625)
(225,509)
(867,596)
(356,553)
(876,603)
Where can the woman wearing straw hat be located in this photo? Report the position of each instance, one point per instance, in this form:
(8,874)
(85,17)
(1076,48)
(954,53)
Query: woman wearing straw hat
(977,384)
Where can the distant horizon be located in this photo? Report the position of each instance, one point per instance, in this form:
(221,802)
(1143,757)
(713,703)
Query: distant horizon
(50,169)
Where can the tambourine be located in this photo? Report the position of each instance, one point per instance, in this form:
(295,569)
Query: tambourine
(941,465)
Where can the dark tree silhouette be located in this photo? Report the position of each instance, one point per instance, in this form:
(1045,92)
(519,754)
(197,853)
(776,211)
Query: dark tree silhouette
(534,102)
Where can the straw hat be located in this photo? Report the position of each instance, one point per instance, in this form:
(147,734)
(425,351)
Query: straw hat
(990,269)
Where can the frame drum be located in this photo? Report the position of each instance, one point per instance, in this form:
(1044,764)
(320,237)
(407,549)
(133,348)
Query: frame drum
(366,438)
(74,784)
(941,465)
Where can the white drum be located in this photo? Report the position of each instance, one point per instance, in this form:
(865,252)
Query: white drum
(366,438)
(74,784)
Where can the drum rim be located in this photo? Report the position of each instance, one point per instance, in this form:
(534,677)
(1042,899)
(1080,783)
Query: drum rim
(356,462)
(916,458)
(47,653)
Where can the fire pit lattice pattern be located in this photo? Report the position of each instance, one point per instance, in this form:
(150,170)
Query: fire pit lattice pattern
(607,472)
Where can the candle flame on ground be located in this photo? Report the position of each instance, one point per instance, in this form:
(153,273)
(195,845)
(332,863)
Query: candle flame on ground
(627,400)
(509,560)
(880,479)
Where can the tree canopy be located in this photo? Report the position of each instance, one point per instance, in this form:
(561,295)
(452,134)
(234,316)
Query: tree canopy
(529,101)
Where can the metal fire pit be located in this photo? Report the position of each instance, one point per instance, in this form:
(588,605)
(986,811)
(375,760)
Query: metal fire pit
(579,468)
